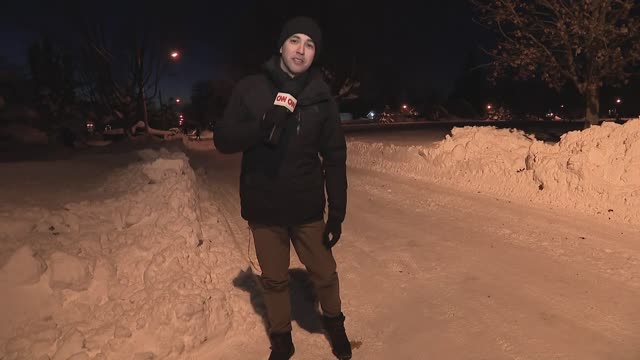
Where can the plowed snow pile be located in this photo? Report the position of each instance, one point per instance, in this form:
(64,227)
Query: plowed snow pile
(595,171)
(128,277)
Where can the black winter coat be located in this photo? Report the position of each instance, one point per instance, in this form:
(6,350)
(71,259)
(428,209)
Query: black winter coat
(285,185)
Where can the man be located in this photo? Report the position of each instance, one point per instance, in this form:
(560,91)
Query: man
(287,125)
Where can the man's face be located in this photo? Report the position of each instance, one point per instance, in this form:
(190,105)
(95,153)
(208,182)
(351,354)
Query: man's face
(297,54)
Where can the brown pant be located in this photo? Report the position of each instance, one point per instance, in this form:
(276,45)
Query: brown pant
(272,250)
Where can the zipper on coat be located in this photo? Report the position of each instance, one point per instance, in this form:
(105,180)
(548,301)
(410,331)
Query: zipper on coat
(298,127)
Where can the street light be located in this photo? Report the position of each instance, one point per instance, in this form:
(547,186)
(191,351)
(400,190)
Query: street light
(618,101)
(175,55)
(488,106)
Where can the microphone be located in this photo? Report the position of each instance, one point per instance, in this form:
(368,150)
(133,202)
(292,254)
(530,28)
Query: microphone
(285,101)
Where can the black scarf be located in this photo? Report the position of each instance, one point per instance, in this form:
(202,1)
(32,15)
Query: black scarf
(283,81)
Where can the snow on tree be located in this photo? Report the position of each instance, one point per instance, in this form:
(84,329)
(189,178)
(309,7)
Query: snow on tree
(589,43)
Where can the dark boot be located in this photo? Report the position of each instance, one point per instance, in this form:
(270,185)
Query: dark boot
(337,336)
(281,346)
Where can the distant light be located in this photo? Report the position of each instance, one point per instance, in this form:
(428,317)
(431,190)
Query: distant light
(618,101)
(178,100)
(175,54)
(371,115)
(404,106)
(489,106)
(562,106)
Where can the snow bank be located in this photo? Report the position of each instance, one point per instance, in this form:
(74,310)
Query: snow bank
(128,277)
(23,268)
(596,171)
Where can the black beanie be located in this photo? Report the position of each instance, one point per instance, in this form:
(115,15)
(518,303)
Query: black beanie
(302,25)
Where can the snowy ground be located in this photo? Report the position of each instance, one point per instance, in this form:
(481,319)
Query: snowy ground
(486,245)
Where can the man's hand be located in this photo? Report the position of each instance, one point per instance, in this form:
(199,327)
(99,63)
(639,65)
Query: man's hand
(276,116)
(333,227)
(273,122)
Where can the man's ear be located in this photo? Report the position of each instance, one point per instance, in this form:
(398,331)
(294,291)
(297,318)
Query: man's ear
(280,49)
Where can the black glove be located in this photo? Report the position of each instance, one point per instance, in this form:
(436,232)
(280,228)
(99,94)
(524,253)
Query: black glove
(273,122)
(333,227)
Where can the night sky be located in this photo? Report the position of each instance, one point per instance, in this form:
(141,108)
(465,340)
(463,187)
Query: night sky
(399,46)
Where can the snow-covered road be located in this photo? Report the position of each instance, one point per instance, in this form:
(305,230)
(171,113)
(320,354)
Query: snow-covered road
(487,245)
(429,272)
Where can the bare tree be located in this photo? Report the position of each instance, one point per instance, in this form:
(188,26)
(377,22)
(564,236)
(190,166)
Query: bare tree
(589,43)
(343,83)
(145,72)
(97,82)
(52,76)
(101,77)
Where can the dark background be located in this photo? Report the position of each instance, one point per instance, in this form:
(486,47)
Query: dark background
(425,53)
(397,49)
